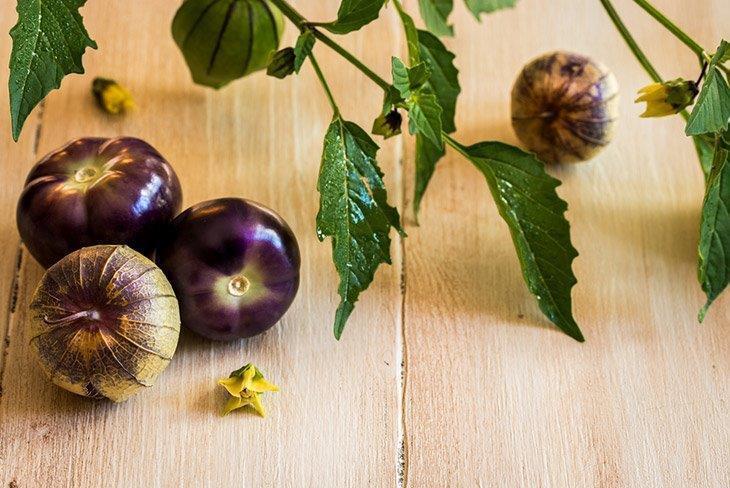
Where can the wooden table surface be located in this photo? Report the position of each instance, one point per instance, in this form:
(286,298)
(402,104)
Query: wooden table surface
(447,374)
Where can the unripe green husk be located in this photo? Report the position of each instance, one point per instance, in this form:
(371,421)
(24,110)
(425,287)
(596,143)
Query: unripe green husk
(223,40)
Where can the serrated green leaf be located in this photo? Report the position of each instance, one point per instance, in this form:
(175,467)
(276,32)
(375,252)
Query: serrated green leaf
(714,248)
(444,82)
(303,48)
(414,50)
(401,81)
(353,15)
(444,79)
(711,112)
(478,7)
(424,116)
(435,14)
(48,43)
(526,198)
(427,155)
(407,80)
(353,211)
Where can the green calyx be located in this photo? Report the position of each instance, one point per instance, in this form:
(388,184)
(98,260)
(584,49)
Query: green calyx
(223,40)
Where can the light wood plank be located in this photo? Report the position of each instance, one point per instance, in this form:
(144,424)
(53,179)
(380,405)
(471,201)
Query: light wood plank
(333,423)
(495,395)
(15,160)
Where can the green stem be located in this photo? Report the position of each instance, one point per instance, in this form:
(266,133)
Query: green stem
(326,86)
(673,28)
(301,22)
(643,60)
(455,144)
(290,13)
(352,59)
(638,53)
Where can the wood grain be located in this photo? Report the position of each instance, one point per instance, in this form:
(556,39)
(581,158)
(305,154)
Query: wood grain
(488,392)
(495,395)
(334,420)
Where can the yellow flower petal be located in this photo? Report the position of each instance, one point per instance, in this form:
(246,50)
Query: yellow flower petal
(260,385)
(255,402)
(234,403)
(248,375)
(651,87)
(234,385)
(658,109)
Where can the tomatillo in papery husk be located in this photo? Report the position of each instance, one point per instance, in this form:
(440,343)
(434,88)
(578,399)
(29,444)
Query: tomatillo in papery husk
(565,107)
(104,322)
(223,40)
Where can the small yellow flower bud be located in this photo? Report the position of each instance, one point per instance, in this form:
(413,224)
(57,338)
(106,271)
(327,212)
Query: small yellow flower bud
(111,96)
(667,98)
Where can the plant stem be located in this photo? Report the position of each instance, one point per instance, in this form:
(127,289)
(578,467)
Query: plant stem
(326,87)
(672,27)
(638,53)
(290,13)
(352,59)
(297,19)
(643,60)
(454,143)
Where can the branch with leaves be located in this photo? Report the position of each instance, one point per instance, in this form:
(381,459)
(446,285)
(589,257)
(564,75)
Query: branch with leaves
(354,210)
(707,124)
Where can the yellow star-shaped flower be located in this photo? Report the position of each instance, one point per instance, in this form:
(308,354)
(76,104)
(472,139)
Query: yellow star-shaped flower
(245,385)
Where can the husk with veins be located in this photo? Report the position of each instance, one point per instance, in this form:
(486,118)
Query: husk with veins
(104,322)
(565,107)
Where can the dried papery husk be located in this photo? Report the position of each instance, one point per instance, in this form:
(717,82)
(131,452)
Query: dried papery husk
(565,107)
(104,322)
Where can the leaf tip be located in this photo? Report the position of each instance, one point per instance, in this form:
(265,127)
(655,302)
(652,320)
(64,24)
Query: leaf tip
(703,311)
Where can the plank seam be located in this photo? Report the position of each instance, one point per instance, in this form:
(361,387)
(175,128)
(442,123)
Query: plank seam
(401,343)
(12,306)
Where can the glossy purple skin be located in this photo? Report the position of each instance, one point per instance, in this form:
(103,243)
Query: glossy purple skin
(97,191)
(214,243)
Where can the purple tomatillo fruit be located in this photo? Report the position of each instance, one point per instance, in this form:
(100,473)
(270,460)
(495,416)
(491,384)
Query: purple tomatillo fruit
(97,191)
(234,266)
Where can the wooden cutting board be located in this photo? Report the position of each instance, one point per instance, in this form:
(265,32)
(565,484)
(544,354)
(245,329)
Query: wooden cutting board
(447,374)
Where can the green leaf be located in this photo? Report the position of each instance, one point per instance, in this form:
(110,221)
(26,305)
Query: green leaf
(427,155)
(407,80)
(478,7)
(424,111)
(354,14)
(414,50)
(48,43)
(705,153)
(424,116)
(303,48)
(354,211)
(526,197)
(714,248)
(711,112)
(435,14)
(444,79)
(444,83)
